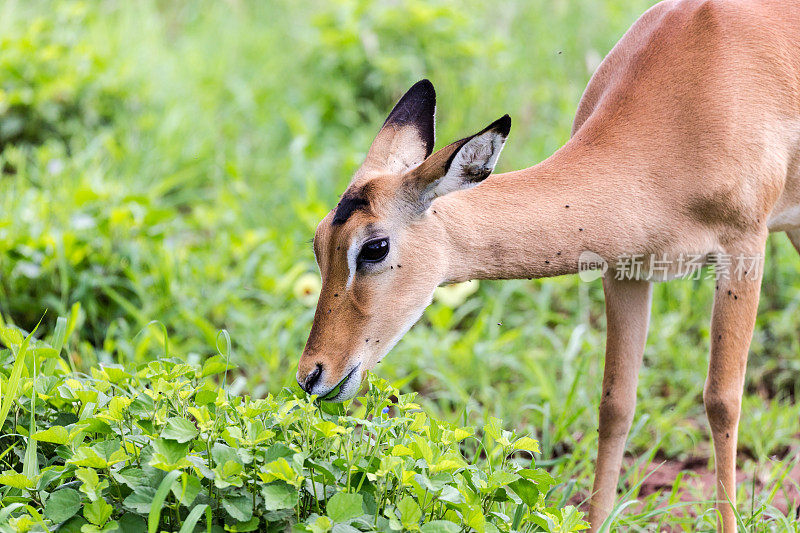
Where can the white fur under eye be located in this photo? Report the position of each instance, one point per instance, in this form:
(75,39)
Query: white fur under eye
(352,260)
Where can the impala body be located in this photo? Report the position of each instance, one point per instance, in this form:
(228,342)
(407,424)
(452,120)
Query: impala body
(686,142)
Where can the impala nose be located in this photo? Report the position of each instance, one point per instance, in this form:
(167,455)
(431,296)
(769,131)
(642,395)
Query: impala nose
(311,379)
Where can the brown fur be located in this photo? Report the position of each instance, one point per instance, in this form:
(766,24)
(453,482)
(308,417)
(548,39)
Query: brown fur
(687,140)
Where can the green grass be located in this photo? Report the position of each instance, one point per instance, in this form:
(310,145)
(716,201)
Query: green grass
(162,447)
(183,153)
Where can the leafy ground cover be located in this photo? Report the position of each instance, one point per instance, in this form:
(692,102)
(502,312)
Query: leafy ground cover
(164,447)
(169,161)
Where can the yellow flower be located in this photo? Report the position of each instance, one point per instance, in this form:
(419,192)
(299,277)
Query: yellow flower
(306,289)
(455,294)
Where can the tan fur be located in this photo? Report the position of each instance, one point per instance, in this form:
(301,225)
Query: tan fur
(686,141)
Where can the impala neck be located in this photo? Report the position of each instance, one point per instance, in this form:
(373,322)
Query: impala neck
(536,222)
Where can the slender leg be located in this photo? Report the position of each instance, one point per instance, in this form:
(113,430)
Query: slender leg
(733,319)
(627,315)
(794,236)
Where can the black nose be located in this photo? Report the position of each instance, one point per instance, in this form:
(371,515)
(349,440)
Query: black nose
(312,378)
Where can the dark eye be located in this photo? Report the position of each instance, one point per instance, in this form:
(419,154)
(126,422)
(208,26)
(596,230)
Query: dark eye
(374,251)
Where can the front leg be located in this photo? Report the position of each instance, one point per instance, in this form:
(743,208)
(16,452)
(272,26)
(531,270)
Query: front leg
(627,317)
(733,319)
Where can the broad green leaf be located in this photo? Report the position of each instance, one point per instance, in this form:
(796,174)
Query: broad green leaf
(10,336)
(460,434)
(186,488)
(527,444)
(328,429)
(132,477)
(451,494)
(109,527)
(169,454)
(228,474)
(44,352)
(410,513)
(281,469)
(205,396)
(117,408)
(418,423)
(527,491)
(239,507)
(115,373)
(440,526)
(141,500)
(97,512)
(73,525)
(87,457)
(345,506)
(323,524)
(542,479)
(16,480)
(47,476)
(278,495)
(215,365)
(222,454)
(500,478)
(399,450)
(91,486)
(447,463)
(344,528)
(492,428)
(474,517)
(62,505)
(54,434)
(179,429)
(422,450)
(111,451)
(250,525)
(131,523)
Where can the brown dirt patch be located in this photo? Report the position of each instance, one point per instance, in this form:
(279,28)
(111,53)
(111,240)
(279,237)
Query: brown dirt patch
(698,482)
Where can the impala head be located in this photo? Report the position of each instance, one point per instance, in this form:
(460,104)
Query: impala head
(381,252)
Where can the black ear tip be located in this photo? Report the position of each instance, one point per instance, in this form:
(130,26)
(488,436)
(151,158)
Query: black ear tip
(424,87)
(417,106)
(502,125)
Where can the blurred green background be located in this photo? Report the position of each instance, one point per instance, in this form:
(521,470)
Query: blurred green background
(169,161)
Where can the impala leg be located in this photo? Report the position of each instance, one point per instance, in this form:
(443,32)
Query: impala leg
(733,319)
(794,236)
(627,316)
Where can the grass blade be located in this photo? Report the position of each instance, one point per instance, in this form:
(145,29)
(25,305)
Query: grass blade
(6,511)
(224,333)
(191,520)
(15,377)
(158,501)
(57,342)
(30,464)
(37,517)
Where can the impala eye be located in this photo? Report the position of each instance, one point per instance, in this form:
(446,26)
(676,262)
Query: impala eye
(374,251)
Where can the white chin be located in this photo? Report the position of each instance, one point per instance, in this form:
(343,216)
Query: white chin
(348,389)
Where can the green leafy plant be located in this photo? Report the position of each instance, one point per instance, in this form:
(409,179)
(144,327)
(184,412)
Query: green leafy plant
(163,447)
(51,84)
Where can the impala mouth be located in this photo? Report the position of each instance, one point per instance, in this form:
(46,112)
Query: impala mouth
(340,389)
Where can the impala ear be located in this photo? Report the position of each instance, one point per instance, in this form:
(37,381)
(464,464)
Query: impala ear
(460,165)
(407,136)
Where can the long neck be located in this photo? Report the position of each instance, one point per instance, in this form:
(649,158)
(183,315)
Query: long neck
(536,222)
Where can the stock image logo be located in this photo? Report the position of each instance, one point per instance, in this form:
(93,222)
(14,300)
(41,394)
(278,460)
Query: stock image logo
(591,266)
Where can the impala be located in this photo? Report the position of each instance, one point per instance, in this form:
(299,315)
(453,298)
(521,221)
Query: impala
(686,142)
